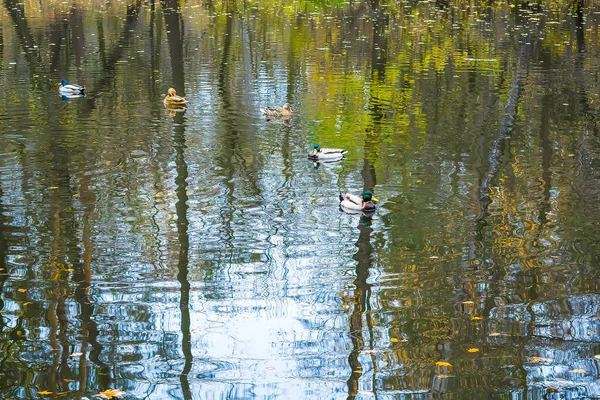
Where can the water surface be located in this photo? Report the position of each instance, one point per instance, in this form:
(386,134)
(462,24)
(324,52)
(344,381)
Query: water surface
(199,254)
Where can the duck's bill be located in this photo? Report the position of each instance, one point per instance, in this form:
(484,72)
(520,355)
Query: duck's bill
(315,151)
(374,199)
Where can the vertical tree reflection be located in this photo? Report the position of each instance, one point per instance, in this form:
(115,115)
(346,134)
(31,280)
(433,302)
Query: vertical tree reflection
(362,293)
(181,208)
(3,255)
(363,256)
(174,25)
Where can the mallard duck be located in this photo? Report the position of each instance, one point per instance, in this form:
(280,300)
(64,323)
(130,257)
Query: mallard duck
(172,100)
(67,88)
(277,112)
(323,154)
(356,203)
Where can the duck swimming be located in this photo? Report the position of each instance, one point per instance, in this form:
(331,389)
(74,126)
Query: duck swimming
(172,100)
(277,112)
(67,88)
(356,203)
(325,154)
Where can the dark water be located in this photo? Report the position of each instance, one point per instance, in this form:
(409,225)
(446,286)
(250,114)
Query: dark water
(200,255)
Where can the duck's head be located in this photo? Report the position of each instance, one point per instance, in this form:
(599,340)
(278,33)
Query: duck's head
(368,196)
(171,92)
(286,106)
(316,148)
(64,82)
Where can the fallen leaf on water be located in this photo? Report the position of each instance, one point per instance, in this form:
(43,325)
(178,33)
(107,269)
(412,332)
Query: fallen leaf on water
(53,187)
(76,354)
(476,318)
(111,393)
(571,155)
(434,257)
(444,376)
(473,350)
(539,359)
(44,392)
(468,302)
(27,303)
(419,180)
(443,364)
(393,340)
(578,371)
(22,290)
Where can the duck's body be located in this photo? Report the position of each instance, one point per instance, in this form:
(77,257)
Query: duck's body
(70,89)
(172,100)
(325,154)
(366,202)
(277,112)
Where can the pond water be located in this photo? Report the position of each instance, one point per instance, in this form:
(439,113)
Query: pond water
(199,254)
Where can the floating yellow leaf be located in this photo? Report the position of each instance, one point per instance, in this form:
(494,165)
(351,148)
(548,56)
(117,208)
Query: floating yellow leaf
(27,303)
(53,187)
(473,350)
(22,290)
(495,334)
(578,371)
(539,359)
(434,257)
(111,393)
(44,392)
(419,180)
(468,302)
(476,318)
(76,354)
(393,340)
(571,155)
(443,364)
(75,194)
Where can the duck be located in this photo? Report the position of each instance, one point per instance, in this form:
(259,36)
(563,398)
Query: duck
(172,100)
(325,154)
(358,203)
(277,112)
(67,88)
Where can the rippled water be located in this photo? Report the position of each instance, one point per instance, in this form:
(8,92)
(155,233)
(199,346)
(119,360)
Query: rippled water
(199,254)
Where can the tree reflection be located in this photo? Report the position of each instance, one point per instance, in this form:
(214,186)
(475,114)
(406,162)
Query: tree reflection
(362,294)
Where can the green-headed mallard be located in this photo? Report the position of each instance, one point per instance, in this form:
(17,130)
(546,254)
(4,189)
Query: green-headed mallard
(324,154)
(277,112)
(172,100)
(356,203)
(67,88)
